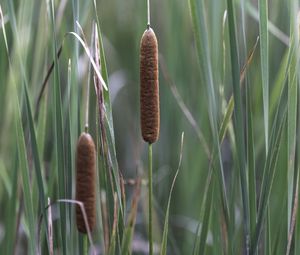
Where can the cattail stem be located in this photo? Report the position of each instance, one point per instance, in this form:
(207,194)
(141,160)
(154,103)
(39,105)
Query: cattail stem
(150,199)
(148,14)
(85,245)
(80,242)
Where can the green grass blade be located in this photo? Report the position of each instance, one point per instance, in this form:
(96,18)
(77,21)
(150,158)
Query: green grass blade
(297,225)
(264,53)
(251,163)
(59,138)
(269,173)
(292,108)
(200,32)
(69,161)
(238,123)
(26,181)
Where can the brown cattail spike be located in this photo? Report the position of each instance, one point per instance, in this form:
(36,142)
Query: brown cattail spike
(149,97)
(85,181)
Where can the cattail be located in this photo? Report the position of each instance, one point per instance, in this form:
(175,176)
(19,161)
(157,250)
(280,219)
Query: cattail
(85,181)
(149,94)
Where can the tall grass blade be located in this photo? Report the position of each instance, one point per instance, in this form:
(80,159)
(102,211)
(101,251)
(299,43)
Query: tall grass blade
(264,53)
(200,33)
(26,180)
(292,106)
(59,138)
(238,122)
(251,163)
(269,173)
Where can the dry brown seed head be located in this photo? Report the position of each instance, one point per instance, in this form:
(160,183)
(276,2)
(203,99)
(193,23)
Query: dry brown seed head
(85,181)
(149,94)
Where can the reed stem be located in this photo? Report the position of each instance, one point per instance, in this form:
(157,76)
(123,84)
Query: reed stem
(150,200)
(83,244)
(148,14)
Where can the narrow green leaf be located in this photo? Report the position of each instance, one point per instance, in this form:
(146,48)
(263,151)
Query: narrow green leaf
(238,122)
(251,163)
(264,53)
(59,138)
(25,178)
(292,108)
(269,173)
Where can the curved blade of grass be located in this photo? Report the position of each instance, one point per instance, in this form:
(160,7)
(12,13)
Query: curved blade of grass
(85,47)
(163,250)
(264,53)
(238,123)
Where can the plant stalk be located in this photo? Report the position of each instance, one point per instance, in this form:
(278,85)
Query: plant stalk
(150,200)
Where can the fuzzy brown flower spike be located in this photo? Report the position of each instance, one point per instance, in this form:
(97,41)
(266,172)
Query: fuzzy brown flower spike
(149,94)
(85,181)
